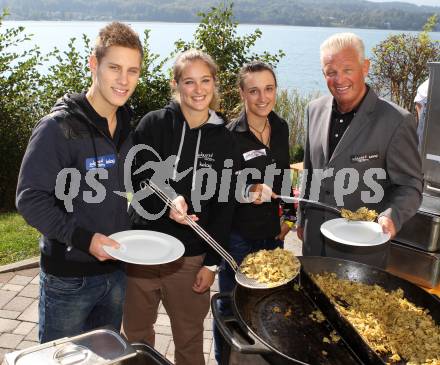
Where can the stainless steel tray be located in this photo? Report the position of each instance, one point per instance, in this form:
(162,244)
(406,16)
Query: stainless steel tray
(145,355)
(421,231)
(415,265)
(98,347)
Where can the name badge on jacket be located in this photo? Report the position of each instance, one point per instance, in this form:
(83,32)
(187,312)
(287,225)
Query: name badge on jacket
(254,153)
(103,161)
(364,157)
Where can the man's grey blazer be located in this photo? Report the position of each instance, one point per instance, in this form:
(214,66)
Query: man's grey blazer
(375,164)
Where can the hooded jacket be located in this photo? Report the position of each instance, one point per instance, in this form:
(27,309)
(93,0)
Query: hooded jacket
(75,137)
(194,152)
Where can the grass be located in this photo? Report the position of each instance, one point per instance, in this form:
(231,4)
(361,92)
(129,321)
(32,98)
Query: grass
(18,240)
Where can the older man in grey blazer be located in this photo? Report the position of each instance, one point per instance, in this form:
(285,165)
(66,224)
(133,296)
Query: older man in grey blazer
(361,150)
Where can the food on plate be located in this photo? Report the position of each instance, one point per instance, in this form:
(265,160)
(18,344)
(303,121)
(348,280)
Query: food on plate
(362,214)
(271,266)
(391,325)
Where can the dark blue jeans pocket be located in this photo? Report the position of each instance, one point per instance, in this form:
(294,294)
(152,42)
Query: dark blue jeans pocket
(64,284)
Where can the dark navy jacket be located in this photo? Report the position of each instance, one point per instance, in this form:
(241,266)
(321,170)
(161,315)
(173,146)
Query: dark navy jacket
(76,137)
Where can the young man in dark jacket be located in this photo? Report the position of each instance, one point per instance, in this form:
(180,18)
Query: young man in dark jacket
(68,188)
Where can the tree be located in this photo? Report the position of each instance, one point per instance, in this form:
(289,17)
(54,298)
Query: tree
(217,36)
(19,106)
(68,73)
(399,64)
(153,90)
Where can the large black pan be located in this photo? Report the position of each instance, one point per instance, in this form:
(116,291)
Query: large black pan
(297,338)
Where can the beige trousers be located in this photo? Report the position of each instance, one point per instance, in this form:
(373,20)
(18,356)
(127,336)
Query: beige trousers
(171,283)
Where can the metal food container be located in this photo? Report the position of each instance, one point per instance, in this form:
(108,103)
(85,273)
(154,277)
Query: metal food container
(145,355)
(430,145)
(415,265)
(421,231)
(98,347)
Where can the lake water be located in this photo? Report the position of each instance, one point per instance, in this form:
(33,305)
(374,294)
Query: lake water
(299,69)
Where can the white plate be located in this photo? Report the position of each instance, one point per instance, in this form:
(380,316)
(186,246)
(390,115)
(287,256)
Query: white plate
(145,247)
(354,233)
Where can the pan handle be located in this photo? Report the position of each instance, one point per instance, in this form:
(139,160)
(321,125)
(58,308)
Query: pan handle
(231,333)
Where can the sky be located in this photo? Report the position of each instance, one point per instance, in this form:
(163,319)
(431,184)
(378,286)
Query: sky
(417,2)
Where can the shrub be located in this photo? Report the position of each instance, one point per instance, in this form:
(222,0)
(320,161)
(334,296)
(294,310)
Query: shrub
(399,64)
(153,90)
(292,106)
(69,73)
(19,106)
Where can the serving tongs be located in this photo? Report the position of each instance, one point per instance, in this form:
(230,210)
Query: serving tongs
(241,278)
(296,199)
(325,206)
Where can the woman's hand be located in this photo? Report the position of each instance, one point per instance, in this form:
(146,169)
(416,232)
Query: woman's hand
(204,280)
(260,193)
(283,231)
(181,205)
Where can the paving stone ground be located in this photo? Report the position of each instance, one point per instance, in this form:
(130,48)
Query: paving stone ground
(19,313)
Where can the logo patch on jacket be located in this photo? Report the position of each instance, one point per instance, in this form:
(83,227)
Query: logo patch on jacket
(105,162)
(253,154)
(205,159)
(364,157)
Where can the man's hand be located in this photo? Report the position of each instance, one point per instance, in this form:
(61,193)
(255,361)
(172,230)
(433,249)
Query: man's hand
(181,205)
(284,230)
(204,280)
(98,241)
(300,232)
(260,193)
(388,226)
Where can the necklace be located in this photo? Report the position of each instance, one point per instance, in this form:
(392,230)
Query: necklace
(260,133)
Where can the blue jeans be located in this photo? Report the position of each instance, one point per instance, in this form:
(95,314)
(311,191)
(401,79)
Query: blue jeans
(71,305)
(239,248)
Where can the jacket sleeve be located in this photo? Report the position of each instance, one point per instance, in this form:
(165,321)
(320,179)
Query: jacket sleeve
(46,155)
(405,173)
(219,226)
(305,179)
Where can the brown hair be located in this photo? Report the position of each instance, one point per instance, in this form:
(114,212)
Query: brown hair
(187,57)
(116,34)
(254,66)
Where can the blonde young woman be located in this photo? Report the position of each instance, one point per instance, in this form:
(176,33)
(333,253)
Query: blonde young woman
(191,130)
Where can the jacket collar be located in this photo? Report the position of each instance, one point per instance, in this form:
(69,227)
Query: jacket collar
(241,123)
(359,122)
